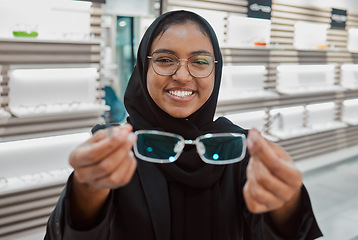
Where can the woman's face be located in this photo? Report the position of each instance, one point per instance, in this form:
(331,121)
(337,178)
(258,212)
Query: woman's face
(181,94)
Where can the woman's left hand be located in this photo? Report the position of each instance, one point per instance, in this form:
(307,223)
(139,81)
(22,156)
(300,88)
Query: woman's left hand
(273,182)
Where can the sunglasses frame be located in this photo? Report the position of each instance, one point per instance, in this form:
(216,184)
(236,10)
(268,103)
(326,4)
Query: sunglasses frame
(199,146)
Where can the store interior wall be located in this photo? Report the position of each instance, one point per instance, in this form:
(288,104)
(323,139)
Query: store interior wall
(101,49)
(342,4)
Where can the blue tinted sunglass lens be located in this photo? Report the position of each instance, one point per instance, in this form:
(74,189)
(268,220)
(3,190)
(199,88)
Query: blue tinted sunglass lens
(223,148)
(157,146)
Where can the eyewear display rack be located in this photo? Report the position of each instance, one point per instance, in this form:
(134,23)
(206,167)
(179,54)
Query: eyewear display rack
(281,50)
(27,206)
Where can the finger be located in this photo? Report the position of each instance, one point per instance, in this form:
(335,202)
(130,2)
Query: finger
(118,137)
(116,160)
(103,133)
(258,146)
(258,200)
(258,192)
(260,174)
(108,165)
(262,151)
(280,152)
(121,176)
(89,154)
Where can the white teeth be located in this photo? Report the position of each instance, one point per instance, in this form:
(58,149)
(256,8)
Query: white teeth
(181,93)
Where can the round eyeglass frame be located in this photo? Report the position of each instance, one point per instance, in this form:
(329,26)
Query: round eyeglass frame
(187,65)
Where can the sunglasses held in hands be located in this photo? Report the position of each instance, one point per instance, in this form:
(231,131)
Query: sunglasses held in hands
(213,148)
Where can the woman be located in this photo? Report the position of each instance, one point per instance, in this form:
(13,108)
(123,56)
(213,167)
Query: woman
(112,195)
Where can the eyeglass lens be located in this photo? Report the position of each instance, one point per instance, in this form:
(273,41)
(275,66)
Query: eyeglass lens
(157,146)
(167,64)
(222,148)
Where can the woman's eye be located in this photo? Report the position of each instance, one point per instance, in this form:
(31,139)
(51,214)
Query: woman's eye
(200,62)
(164,60)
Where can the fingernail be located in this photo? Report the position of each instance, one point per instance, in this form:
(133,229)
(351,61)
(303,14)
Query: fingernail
(131,137)
(117,132)
(249,143)
(252,138)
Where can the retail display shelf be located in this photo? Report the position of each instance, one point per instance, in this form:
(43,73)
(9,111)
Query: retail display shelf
(31,51)
(14,217)
(54,118)
(4,113)
(44,134)
(43,126)
(316,136)
(22,209)
(307,98)
(328,49)
(351,93)
(57,41)
(320,142)
(45,158)
(351,122)
(227,49)
(47,111)
(305,131)
(50,98)
(311,90)
(237,105)
(33,181)
(302,98)
(230,95)
(293,133)
(45,58)
(33,223)
(52,66)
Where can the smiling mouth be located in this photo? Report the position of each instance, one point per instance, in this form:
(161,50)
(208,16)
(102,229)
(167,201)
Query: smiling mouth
(181,94)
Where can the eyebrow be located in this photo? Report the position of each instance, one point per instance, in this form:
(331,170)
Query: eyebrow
(163,50)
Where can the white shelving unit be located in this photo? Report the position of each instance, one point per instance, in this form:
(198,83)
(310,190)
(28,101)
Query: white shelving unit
(51,96)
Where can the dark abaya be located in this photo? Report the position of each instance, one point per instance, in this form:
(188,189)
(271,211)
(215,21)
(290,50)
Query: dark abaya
(187,199)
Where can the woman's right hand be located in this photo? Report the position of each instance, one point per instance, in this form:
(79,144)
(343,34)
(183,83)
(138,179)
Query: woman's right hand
(105,162)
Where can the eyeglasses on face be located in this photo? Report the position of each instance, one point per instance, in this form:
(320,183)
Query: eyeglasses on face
(166,64)
(213,148)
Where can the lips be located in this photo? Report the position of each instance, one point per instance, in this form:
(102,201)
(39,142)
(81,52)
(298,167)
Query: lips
(181,93)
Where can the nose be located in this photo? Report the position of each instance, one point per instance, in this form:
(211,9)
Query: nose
(182,74)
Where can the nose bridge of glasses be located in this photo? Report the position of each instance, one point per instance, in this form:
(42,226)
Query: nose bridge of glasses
(190,142)
(182,73)
(182,59)
(199,145)
(184,63)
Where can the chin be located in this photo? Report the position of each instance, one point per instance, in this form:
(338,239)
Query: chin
(178,114)
(175,115)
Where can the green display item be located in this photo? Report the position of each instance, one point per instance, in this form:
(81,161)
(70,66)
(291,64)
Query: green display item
(25,34)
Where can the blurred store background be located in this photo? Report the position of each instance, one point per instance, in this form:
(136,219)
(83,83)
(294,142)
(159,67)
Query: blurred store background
(65,64)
